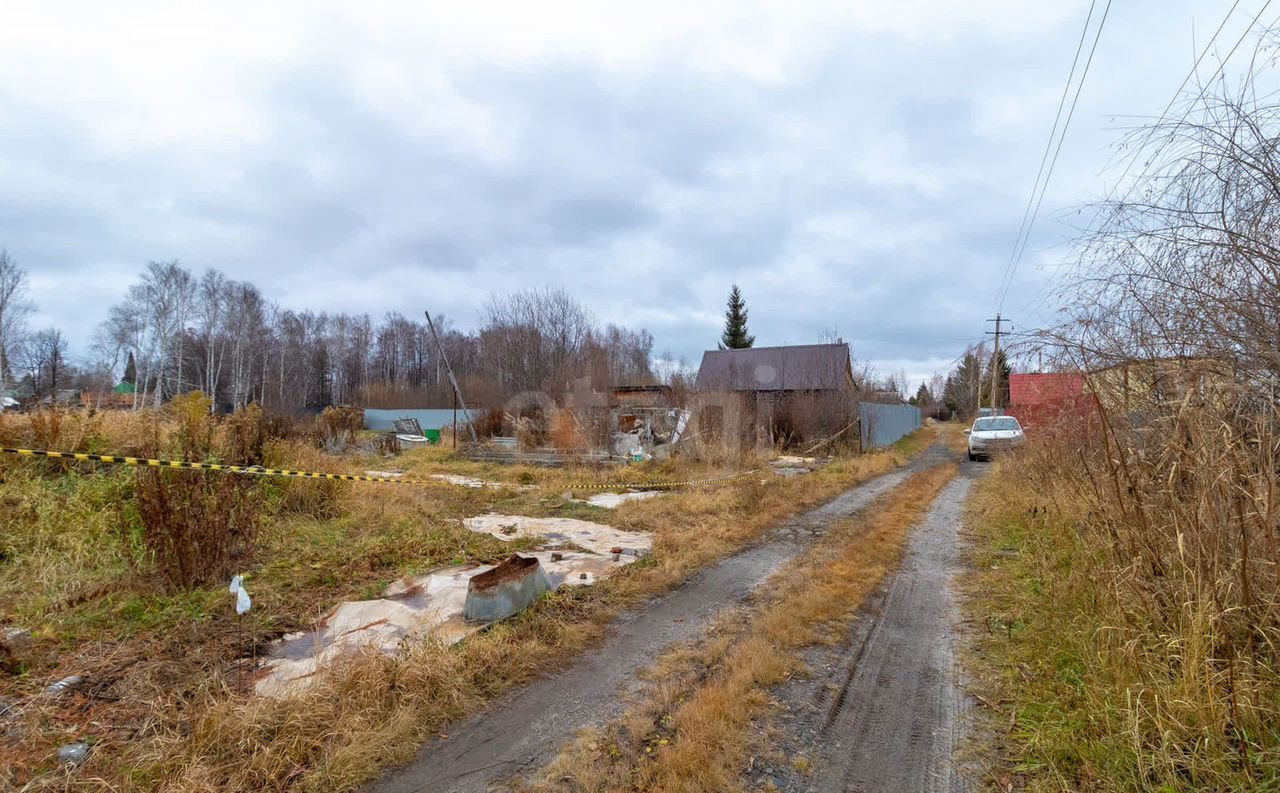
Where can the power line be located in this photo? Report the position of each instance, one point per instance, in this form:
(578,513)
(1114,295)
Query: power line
(1048,145)
(1043,294)
(1020,248)
(1192,104)
(1137,154)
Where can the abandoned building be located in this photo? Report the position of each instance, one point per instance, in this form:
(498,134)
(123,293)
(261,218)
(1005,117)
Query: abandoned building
(777,395)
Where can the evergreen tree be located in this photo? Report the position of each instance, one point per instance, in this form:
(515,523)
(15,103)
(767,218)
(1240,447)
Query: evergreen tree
(735,323)
(922,398)
(965,385)
(130,372)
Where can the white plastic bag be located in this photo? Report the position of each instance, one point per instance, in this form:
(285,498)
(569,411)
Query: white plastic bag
(243,603)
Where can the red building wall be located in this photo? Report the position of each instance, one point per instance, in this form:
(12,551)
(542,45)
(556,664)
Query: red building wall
(1038,400)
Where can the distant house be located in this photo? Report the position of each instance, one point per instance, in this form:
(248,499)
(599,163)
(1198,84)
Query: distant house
(63,397)
(778,394)
(640,395)
(1134,384)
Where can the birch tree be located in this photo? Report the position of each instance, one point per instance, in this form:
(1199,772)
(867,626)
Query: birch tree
(14,311)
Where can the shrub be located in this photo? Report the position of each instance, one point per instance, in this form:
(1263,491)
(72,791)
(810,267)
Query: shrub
(488,425)
(243,435)
(199,527)
(338,427)
(386,444)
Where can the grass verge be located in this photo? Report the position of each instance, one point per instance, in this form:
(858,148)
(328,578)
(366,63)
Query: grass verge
(1078,692)
(694,727)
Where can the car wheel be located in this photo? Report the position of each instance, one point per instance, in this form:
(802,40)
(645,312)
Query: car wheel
(972,456)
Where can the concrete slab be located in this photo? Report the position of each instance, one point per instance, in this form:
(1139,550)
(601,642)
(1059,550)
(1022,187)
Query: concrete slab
(429,606)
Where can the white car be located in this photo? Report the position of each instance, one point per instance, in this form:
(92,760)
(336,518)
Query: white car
(994,434)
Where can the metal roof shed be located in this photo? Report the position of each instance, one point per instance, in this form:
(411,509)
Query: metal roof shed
(802,367)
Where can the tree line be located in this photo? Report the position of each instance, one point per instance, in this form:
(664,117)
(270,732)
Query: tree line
(176,332)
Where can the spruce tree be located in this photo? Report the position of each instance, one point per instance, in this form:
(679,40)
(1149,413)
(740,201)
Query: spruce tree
(922,398)
(130,372)
(735,323)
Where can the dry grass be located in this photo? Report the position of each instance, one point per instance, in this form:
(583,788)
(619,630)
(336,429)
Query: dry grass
(1128,586)
(164,709)
(694,727)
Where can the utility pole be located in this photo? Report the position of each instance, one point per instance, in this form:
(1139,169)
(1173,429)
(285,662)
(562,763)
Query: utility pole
(995,361)
(457,393)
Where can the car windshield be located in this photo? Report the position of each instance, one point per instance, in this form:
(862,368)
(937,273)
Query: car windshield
(997,423)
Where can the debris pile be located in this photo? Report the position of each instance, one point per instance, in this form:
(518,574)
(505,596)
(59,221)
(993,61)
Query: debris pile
(791,465)
(449,604)
(643,433)
(595,537)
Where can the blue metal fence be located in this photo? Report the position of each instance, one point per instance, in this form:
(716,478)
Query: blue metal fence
(881,425)
(430,419)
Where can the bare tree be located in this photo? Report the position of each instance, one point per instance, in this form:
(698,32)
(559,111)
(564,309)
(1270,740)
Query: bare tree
(14,311)
(1173,321)
(46,362)
(529,337)
(225,338)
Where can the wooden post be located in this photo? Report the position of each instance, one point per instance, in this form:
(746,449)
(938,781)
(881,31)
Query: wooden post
(457,395)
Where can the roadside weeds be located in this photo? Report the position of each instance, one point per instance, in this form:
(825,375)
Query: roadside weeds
(1077,693)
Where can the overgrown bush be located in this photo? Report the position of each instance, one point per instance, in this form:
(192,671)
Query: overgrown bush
(200,526)
(46,428)
(284,427)
(386,444)
(338,427)
(489,425)
(1154,615)
(242,436)
(565,434)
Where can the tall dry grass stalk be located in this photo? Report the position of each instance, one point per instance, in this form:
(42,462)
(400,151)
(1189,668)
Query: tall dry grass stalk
(199,528)
(1150,596)
(1163,531)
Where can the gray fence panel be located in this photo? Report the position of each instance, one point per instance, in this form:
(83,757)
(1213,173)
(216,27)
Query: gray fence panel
(430,419)
(882,425)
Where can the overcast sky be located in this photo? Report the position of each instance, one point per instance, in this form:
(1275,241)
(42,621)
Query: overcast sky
(859,166)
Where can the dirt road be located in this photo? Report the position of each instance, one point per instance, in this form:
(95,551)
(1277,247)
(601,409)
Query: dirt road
(883,709)
(524,730)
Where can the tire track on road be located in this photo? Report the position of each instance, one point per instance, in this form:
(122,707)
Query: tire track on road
(884,710)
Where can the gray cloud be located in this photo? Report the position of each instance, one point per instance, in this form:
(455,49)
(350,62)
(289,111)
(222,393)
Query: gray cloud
(865,173)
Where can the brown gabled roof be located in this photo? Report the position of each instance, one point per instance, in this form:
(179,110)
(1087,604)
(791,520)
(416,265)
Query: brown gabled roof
(803,367)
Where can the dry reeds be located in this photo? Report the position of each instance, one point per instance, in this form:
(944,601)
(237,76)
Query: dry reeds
(1153,542)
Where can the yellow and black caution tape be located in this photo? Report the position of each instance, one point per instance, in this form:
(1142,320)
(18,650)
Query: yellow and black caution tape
(257,470)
